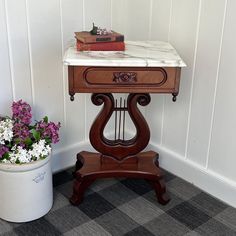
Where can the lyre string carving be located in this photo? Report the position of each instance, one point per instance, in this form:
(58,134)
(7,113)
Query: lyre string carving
(119,148)
(120,119)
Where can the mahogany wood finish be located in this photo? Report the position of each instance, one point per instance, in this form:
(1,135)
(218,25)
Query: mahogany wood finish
(91,169)
(120,149)
(120,157)
(84,79)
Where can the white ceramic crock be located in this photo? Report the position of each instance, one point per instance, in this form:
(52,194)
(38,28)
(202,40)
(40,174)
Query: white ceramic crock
(26,190)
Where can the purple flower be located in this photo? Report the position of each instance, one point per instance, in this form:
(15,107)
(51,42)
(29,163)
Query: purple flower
(49,130)
(20,133)
(3,150)
(23,142)
(21,112)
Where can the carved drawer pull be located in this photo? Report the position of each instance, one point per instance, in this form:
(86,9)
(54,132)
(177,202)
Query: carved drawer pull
(125,77)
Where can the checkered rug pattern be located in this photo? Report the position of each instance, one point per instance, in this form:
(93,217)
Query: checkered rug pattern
(129,207)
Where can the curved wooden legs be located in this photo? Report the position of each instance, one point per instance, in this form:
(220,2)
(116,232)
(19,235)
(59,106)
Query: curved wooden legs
(78,164)
(160,189)
(80,185)
(92,168)
(118,157)
(120,149)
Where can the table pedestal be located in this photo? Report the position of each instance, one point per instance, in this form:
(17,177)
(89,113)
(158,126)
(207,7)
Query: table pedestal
(118,157)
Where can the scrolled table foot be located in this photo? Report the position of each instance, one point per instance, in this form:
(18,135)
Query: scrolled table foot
(160,189)
(78,165)
(80,186)
(76,197)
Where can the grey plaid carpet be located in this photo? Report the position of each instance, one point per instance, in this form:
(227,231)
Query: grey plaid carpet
(129,207)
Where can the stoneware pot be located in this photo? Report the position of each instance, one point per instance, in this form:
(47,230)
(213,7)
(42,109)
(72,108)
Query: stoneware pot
(26,190)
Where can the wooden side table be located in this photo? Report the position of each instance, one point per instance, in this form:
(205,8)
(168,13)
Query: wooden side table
(145,67)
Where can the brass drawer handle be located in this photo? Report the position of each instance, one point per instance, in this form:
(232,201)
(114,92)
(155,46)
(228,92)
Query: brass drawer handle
(124,77)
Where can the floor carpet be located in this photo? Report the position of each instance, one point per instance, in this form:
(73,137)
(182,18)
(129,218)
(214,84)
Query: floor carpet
(129,207)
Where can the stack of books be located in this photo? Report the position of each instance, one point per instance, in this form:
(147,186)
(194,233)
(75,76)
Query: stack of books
(113,41)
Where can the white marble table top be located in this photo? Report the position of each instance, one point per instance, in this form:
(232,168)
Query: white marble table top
(137,54)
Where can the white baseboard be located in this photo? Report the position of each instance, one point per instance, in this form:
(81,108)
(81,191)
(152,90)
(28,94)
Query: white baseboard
(207,180)
(66,157)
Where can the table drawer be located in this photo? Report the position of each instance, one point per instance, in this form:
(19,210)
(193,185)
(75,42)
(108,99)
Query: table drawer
(123,79)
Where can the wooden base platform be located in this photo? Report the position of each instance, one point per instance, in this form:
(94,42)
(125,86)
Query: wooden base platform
(91,166)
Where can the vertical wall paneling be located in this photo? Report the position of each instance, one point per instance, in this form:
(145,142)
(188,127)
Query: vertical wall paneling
(161,10)
(6,92)
(150,19)
(155,120)
(209,39)
(134,23)
(159,30)
(118,22)
(72,21)
(30,55)
(222,151)
(45,37)
(99,13)
(193,135)
(18,40)
(91,113)
(101,16)
(137,21)
(193,78)
(183,32)
(111,16)
(137,17)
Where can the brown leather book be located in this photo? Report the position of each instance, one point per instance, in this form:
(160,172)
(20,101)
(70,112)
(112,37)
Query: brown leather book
(87,37)
(108,46)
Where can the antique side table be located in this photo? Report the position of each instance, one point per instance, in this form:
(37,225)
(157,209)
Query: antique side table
(143,68)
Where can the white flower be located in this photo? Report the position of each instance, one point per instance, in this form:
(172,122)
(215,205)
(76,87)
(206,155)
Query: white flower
(6,132)
(40,149)
(24,156)
(6,161)
(19,155)
(13,157)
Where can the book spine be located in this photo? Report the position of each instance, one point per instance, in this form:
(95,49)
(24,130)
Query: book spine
(113,46)
(96,39)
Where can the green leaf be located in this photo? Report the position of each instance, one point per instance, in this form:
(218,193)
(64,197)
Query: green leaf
(31,127)
(6,155)
(48,140)
(9,145)
(42,157)
(36,134)
(28,142)
(17,140)
(45,119)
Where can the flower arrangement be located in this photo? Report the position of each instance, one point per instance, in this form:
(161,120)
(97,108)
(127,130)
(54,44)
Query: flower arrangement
(23,142)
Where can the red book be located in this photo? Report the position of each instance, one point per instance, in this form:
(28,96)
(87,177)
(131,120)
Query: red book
(109,46)
(87,37)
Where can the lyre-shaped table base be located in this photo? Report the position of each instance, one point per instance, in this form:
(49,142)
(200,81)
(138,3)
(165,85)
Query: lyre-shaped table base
(119,157)
(89,168)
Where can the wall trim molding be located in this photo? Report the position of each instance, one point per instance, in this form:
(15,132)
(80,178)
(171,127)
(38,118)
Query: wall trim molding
(66,157)
(205,179)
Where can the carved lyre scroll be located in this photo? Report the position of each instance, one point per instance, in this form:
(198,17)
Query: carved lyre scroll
(119,148)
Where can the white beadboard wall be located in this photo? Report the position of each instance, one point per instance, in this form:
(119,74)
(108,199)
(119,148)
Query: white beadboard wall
(194,136)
